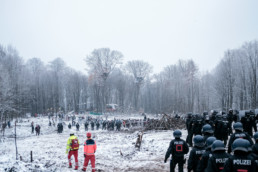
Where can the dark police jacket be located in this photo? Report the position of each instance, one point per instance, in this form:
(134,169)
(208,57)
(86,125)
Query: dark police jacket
(204,160)
(194,158)
(240,162)
(177,148)
(217,161)
(238,135)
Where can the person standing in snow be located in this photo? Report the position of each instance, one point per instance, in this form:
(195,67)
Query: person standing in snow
(37,129)
(77,126)
(177,148)
(90,148)
(73,147)
(32,127)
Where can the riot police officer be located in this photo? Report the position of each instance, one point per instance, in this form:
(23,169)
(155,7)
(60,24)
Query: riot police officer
(238,127)
(207,154)
(97,124)
(204,115)
(218,158)
(198,123)
(248,123)
(255,148)
(177,148)
(240,161)
(77,126)
(218,127)
(207,131)
(86,124)
(230,118)
(191,132)
(225,128)
(213,115)
(188,126)
(196,153)
(92,125)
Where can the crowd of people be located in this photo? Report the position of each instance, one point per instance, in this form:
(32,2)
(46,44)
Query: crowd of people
(220,141)
(211,150)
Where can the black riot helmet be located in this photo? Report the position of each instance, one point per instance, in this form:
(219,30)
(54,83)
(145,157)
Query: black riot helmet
(214,112)
(249,146)
(217,145)
(247,113)
(177,133)
(189,115)
(224,116)
(205,113)
(198,116)
(194,116)
(210,141)
(199,141)
(207,129)
(238,126)
(256,136)
(218,116)
(240,145)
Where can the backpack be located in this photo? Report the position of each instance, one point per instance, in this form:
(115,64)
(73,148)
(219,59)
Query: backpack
(75,144)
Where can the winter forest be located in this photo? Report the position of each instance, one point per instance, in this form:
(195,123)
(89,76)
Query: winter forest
(35,87)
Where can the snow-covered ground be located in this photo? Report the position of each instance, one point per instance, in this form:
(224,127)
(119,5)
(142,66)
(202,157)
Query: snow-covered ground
(115,150)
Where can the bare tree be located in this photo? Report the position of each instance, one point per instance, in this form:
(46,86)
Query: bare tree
(140,70)
(101,62)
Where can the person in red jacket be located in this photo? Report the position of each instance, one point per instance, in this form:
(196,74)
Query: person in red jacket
(90,148)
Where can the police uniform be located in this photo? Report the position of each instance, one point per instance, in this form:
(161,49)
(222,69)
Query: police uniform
(240,163)
(236,135)
(217,161)
(177,149)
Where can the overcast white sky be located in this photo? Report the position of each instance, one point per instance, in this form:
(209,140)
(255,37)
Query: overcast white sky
(157,31)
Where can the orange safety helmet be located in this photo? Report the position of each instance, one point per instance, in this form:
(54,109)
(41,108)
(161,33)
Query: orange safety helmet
(88,134)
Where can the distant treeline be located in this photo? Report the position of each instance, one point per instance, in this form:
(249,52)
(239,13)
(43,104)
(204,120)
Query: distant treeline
(35,87)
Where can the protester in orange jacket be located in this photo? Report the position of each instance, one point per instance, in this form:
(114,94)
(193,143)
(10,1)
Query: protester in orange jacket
(90,148)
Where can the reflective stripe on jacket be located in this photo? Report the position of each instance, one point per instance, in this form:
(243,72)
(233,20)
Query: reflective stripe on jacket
(90,147)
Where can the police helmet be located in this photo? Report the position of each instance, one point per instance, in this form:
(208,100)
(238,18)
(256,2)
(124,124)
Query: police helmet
(205,113)
(189,115)
(224,116)
(199,141)
(252,112)
(240,145)
(238,126)
(214,112)
(209,141)
(207,129)
(247,113)
(230,111)
(249,146)
(256,136)
(217,145)
(218,116)
(207,118)
(177,133)
(198,116)
(194,116)
(71,134)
